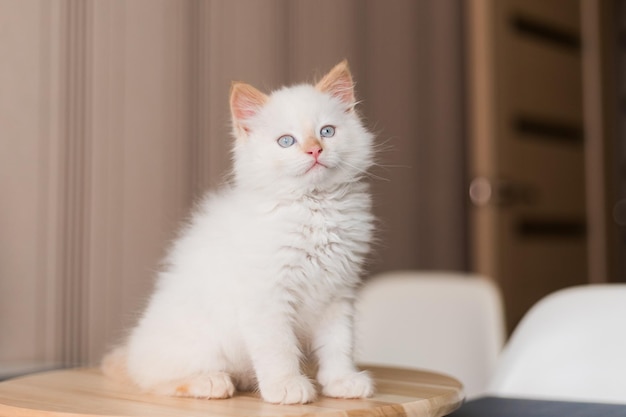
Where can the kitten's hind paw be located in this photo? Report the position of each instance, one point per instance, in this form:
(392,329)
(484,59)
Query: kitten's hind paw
(292,390)
(209,385)
(354,385)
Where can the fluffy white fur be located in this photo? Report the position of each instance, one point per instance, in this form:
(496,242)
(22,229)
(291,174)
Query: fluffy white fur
(265,273)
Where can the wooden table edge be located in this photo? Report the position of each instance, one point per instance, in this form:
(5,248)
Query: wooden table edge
(436,406)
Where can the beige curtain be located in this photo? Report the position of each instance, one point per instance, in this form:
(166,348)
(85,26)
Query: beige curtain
(115,119)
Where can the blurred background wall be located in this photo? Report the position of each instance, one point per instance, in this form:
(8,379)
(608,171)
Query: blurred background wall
(114,120)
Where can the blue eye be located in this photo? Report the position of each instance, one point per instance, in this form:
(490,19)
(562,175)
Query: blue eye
(286,141)
(327,132)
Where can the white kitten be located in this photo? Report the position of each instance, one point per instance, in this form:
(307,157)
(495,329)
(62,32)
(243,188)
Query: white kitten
(265,273)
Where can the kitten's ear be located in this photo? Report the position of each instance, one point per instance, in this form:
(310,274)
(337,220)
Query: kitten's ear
(245,103)
(338,83)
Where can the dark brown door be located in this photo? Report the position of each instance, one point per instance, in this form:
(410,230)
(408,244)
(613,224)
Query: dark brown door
(527,150)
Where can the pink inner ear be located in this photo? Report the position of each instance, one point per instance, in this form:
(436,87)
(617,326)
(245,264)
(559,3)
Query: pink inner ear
(244,109)
(338,83)
(245,101)
(343,89)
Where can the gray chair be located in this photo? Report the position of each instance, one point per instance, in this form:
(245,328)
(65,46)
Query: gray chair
(449,322)
(571,345)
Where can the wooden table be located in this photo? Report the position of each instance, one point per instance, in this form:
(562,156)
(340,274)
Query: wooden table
(86,392)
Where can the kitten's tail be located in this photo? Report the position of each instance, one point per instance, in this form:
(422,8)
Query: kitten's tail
(114,364)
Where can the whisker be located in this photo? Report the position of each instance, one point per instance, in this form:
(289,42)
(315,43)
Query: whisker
(385,146)
(361,171)
(387,166)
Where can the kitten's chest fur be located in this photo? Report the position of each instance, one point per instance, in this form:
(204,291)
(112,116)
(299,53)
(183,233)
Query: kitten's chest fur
(324,240)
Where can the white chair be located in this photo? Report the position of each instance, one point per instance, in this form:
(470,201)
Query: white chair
(571,345)
(444,321)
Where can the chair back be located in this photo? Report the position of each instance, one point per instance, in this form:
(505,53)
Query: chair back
(443,321)
(571,345)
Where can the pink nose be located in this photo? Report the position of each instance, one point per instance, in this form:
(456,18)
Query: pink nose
(315,151)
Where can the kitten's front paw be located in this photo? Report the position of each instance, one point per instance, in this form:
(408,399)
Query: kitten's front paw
(354,385)
(292,390)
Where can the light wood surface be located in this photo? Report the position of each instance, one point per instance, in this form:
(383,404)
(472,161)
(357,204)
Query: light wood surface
(86,392)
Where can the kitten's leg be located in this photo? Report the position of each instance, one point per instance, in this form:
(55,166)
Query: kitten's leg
(333,344)
(176,361)
(203,385)
(276,355)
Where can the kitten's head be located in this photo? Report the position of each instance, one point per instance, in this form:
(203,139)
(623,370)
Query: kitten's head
(302,137)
